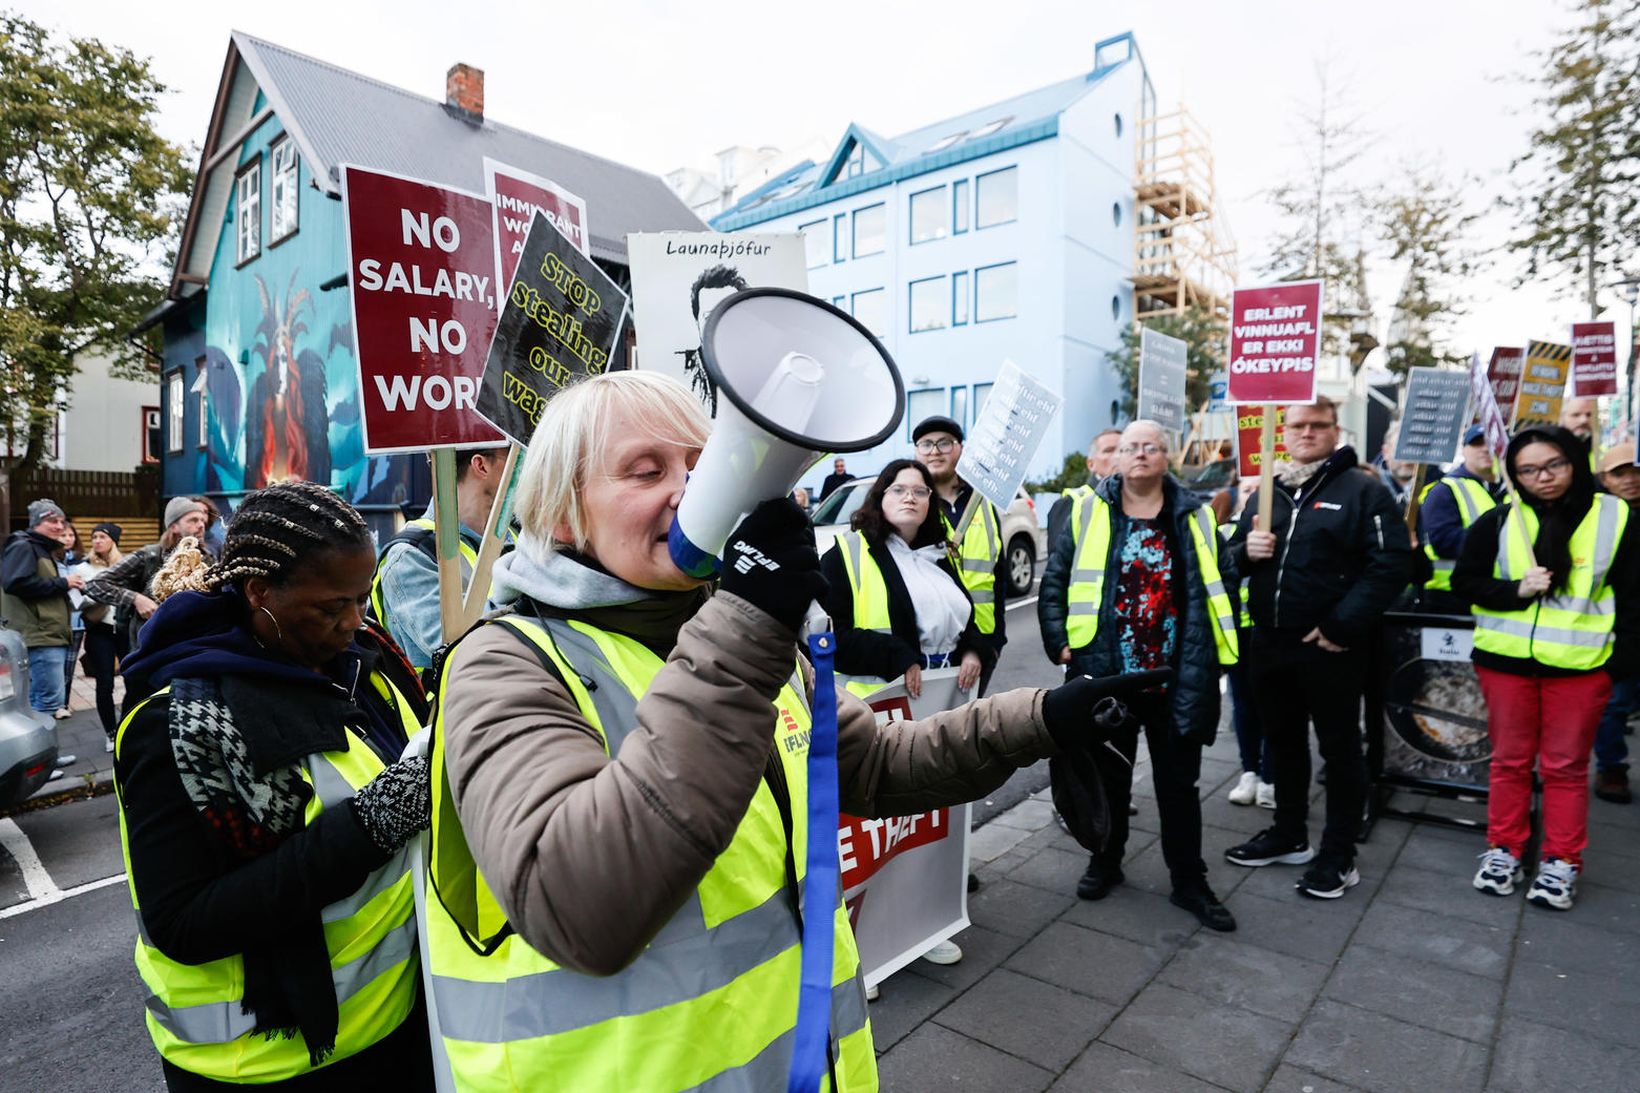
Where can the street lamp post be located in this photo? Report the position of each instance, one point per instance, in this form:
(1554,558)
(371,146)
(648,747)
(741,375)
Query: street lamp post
(1629,291)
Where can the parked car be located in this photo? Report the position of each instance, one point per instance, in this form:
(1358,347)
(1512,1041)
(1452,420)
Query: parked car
(1019,529)
(28,746)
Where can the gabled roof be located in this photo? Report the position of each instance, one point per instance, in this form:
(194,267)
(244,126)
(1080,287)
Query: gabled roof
(337,116)
(1031,116)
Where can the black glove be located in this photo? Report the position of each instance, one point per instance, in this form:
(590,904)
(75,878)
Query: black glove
(771,562)
(396,804)
(1084,711)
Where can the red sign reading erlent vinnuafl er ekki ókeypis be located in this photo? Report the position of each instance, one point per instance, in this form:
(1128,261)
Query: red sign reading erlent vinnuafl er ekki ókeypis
(1275,342)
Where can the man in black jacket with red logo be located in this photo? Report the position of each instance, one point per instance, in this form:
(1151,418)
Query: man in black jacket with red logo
(1317,582)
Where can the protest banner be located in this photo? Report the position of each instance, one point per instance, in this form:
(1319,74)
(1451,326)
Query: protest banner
(1249,437)
(562,321)
(1542,384)
(1504,376)
(516,197)
(1594,360)
(1433,416)
(1162,363)
(1275,342)
(905,878)
(421,267)
(678,278)
(1005,437)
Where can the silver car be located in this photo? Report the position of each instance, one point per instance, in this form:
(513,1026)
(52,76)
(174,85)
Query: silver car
(28,746)
(1019,530)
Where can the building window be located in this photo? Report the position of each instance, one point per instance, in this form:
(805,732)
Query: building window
(929,309)
(1118,126)
(1115,307)
(959,299)
(870,230)
(283,192)
(982,394)
(945,142)
(998,198)
(959,406)
(202,416)
(922,404)
(839,237)
(840,302)
(959,206)
(1116,213)
(928,219)
(153,434)
(248,212)
(173,411)
(997,292)
(990,127)
(814,243)
(871,308)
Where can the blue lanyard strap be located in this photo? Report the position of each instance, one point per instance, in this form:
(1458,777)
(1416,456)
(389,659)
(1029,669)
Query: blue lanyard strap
(820,885)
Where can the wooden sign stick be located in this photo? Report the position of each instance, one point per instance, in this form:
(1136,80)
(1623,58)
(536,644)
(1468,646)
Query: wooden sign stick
(447,538)
(495,537)
(1416,488)
(1266,468)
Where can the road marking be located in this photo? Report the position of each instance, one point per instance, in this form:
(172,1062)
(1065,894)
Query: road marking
(1023,603)
(35,878)
(60,895)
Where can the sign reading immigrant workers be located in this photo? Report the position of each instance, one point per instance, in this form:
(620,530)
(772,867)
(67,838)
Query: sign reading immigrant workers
(517,197)
(905,878)
(1275,342)
(1594,359)
(561,322)
(1504,376)
(1542,384)
(1006,435)
(1434,417)
(421,273)
(1250,438)
(1162,378)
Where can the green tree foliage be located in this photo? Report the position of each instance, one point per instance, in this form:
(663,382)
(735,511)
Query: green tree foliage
(1204,335)
(1425,225)
(1579,207)
(1073,473)
(87,193)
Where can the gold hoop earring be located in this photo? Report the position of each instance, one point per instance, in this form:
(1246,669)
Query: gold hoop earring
(278,633)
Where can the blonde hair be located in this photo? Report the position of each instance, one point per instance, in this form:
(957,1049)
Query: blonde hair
(1162,438)
(184,570)
(574,432)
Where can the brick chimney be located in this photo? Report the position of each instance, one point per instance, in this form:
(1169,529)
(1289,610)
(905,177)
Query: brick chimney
(464,93)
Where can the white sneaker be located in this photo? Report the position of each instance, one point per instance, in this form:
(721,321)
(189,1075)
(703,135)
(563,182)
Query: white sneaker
(1500,871)
(63,713)
(1245,790)
(946,952)
(873,993)
(1266,796)
(1554,886)
(108,745)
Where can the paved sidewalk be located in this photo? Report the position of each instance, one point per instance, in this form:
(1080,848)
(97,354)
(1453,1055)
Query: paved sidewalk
(1411,983)
(81,735)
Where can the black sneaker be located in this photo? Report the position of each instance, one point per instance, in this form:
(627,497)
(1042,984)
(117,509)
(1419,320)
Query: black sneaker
(1098,880)
(1200,901)
(1270,848)
(1328,878)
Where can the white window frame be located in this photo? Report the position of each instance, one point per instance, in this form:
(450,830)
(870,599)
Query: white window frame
(283,190)
(173,412)
(881,210)
(816,245)
(979,197)
(248,212)
(979,293)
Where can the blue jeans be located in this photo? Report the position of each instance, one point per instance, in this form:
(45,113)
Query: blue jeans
(1611,750)
(47,667)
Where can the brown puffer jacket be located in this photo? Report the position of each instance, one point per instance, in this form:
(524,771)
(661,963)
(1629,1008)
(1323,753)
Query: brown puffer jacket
(590,855)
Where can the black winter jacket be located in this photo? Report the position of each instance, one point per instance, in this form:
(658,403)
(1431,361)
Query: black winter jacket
(887,656)
(34,604)
(1195,689)
(1342,555)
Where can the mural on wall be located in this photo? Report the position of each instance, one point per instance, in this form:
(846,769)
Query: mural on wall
(287,426)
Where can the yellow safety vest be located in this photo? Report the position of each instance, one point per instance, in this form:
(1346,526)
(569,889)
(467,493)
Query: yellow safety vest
(1473,499)
(378,600)
(711,1003)
(1090,533)
(195,1012)
(870,592)
(1570,629)
(977,556)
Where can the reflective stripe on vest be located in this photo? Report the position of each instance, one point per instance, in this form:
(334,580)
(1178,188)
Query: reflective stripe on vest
(195,1012)
(378,599)
(977,563)
(710,1003)
(1473,499)
(1203,528)
(1570,629)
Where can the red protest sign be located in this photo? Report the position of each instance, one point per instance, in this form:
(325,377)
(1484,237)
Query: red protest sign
(1594,359)
(1493,418)
(1275,342)
(1504,376)
(517,195)
(421,264)
(1250,438)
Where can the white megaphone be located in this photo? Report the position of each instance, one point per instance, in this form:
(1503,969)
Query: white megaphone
(796,378)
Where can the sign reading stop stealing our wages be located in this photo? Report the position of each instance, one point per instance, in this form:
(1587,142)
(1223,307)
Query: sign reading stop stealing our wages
(1275,343)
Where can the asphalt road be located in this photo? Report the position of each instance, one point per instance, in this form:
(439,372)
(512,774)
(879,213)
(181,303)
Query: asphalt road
(70,998)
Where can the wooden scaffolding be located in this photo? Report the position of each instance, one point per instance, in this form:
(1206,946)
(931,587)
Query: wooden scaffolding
(1183,253)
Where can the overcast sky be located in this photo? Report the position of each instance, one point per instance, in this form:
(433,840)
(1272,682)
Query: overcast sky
(659,85)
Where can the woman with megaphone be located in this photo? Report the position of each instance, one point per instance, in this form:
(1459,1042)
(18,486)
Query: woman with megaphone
(621,781)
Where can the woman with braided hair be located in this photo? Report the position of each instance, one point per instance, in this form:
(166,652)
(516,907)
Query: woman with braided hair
(265,811)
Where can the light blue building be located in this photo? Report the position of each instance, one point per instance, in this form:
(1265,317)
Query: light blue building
(1005,233)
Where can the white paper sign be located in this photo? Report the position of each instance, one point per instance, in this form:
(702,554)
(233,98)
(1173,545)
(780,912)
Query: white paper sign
(1441,643)
(1007,434)
(1161,378)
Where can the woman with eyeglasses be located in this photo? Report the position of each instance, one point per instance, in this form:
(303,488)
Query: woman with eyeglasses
(896,601)
(1553,584)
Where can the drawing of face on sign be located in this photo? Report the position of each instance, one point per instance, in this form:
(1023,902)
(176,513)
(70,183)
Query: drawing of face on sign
(710,289)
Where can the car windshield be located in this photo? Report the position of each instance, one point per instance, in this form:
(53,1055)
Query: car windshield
(841,506)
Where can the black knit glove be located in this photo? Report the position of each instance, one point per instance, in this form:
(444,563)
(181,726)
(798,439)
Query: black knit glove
(771,562)
(396,804)
(1085,711)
